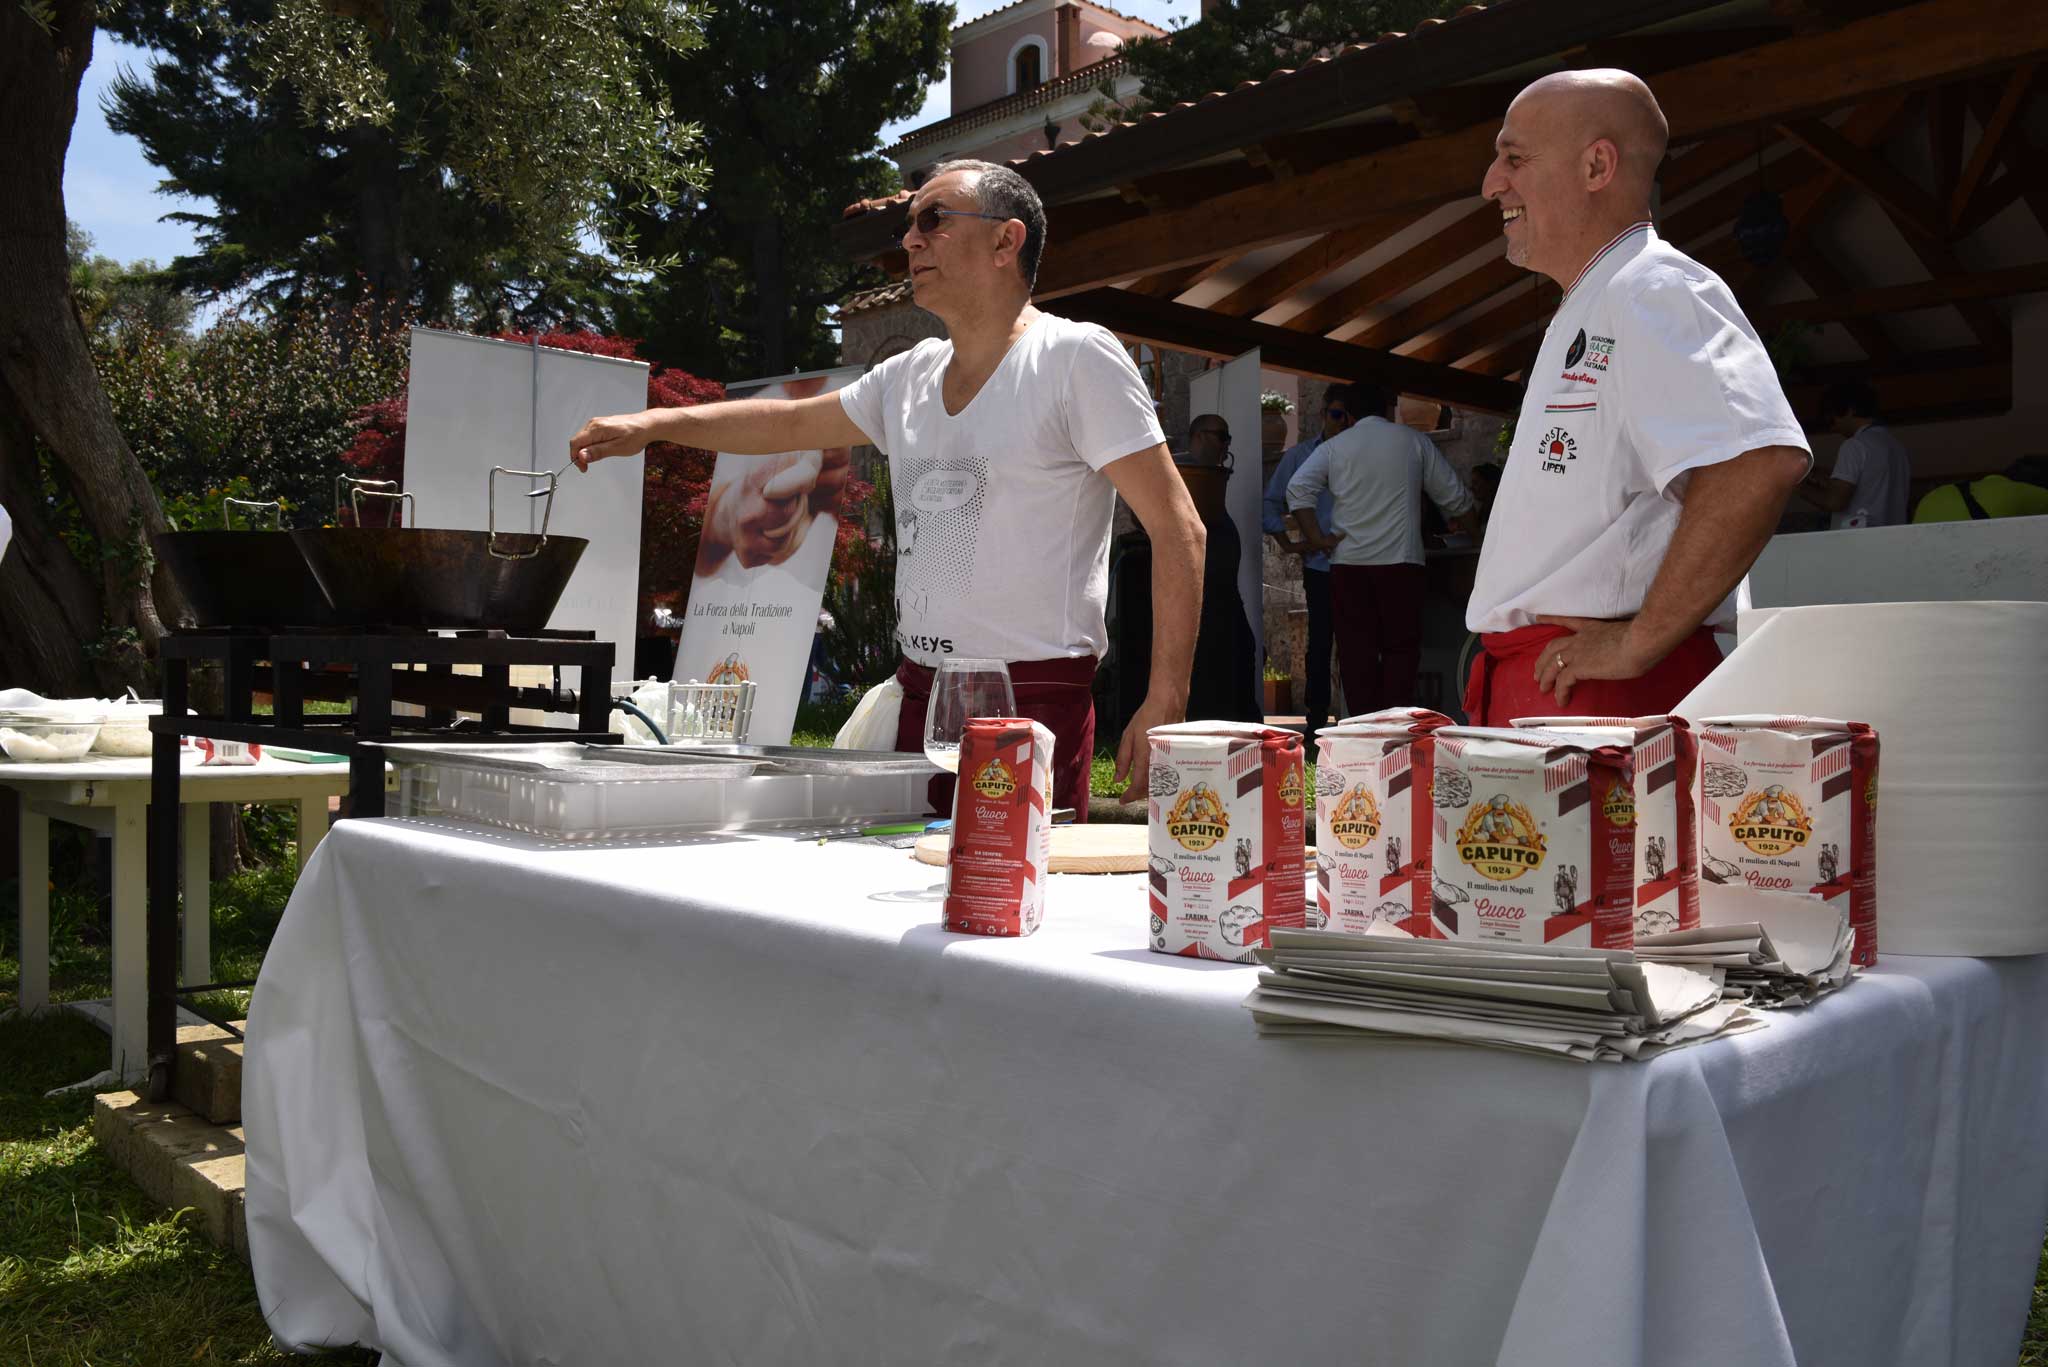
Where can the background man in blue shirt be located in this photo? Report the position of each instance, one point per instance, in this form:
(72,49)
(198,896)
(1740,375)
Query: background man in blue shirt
(1339,412)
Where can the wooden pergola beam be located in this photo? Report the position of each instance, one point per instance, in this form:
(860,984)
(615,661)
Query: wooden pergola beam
(1907,203)
(1486,331)
(1178,281)
(1473,287)
(1184,328)
(1829,283)
(1439,251)
(1876,301)
(1318,258)
(1996,126)
(1904,49)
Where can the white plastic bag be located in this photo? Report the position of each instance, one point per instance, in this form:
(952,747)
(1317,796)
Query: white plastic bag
(651,697)
(873,723)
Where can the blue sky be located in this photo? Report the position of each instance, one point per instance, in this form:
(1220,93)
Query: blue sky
(111,191)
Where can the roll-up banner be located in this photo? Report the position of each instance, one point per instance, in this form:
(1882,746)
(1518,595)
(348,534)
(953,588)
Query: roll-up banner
(769,525)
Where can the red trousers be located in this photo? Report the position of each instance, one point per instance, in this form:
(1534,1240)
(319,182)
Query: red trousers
(1502,685)
(1055,693)
(1378,619)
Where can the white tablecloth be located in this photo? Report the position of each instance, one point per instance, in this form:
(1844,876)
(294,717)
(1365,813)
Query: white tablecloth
(745,1102)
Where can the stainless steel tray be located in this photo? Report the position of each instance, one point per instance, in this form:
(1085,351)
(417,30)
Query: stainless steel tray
(784,759)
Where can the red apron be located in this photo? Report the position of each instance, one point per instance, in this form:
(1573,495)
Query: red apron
(1057,694)
(1502,685)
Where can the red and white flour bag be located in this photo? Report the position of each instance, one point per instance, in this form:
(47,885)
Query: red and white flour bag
(1226,829)
(213,751)
(1002,828)
(1789,805)
(1373,825)
(1667,764)
(1534,838)
(1396,716)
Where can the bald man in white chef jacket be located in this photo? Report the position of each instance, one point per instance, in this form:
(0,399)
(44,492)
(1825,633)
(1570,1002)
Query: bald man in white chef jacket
(1655,448)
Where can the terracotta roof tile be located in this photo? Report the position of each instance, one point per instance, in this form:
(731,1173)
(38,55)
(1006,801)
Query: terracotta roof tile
(1284,73)
(880,297)
(1091,4)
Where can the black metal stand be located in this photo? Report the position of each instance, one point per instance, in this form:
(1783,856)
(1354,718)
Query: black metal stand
(362,668)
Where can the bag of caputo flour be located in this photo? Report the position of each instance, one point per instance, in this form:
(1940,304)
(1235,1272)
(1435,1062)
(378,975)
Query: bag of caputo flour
(1373,824)
(1789,805)
(1535,837)
(1226,828)
(1667,763)
(1002,828)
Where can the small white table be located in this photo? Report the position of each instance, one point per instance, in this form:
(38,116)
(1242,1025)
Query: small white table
(112,796)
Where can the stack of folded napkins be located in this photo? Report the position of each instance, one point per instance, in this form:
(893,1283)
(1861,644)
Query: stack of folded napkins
(1792,952)
(1586,1004)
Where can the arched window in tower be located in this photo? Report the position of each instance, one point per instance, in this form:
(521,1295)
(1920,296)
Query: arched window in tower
(1029,71)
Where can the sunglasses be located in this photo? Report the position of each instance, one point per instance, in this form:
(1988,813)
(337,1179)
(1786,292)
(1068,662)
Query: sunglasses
(926,220)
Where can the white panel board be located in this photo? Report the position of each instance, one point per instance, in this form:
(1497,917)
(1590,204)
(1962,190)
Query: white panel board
(476,402)
(2001,558)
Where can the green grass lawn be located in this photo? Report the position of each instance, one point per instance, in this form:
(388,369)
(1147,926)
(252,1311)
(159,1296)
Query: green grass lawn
(91,1273)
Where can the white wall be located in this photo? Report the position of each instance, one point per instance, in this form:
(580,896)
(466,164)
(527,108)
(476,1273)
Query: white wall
(472,404)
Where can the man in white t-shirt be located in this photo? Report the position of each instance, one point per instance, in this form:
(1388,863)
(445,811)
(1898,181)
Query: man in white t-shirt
(1377,473)
(1655,449)
(1871,475)
(1008,445)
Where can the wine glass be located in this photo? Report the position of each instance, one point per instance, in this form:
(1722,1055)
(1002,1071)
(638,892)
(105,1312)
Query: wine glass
(964,688)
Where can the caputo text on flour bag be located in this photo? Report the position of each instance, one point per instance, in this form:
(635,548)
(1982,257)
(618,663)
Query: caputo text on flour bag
(1374,824)
(1534,837)
(1667,770)
(1788,805)
(1226,838)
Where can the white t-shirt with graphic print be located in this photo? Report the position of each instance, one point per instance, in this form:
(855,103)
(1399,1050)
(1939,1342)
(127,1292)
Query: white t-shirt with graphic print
(1648,371)
(1002,515)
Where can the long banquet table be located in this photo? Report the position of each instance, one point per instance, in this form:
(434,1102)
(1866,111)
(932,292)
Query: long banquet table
(744,1101)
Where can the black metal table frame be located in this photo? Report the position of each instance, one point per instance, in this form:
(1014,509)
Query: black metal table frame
(291,658)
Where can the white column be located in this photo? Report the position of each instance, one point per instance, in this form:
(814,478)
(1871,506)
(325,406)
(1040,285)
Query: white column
(131,902)
(197,964)
(35,909)
(312,826)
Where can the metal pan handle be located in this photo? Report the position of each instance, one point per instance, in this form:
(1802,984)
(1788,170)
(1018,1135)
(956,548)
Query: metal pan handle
(553,477)
(227,505)
(360,489)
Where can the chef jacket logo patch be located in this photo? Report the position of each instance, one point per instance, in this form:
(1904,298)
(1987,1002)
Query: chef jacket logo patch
(1356,821)
(1559,446)
(1599,351)
(1197,819)
(994,780)
(1577,350)
(1500,841)
(1771,822)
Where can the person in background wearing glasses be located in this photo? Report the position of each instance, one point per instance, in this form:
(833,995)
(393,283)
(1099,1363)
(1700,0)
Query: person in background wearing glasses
(1008,443)
(1315,564)
(1377,472)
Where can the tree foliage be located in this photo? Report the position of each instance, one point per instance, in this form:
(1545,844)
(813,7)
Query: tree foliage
(1248,40)
(790,99)
(459,156)
(119,303)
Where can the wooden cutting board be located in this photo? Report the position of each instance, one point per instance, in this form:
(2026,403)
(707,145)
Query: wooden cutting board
(1102,847)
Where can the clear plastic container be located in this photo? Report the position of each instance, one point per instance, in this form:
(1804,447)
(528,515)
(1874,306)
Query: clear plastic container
(48,735)
(125,735)
(570,792)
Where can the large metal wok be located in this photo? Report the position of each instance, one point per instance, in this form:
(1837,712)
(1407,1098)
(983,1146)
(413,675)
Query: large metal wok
(401,576)
(245,578)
